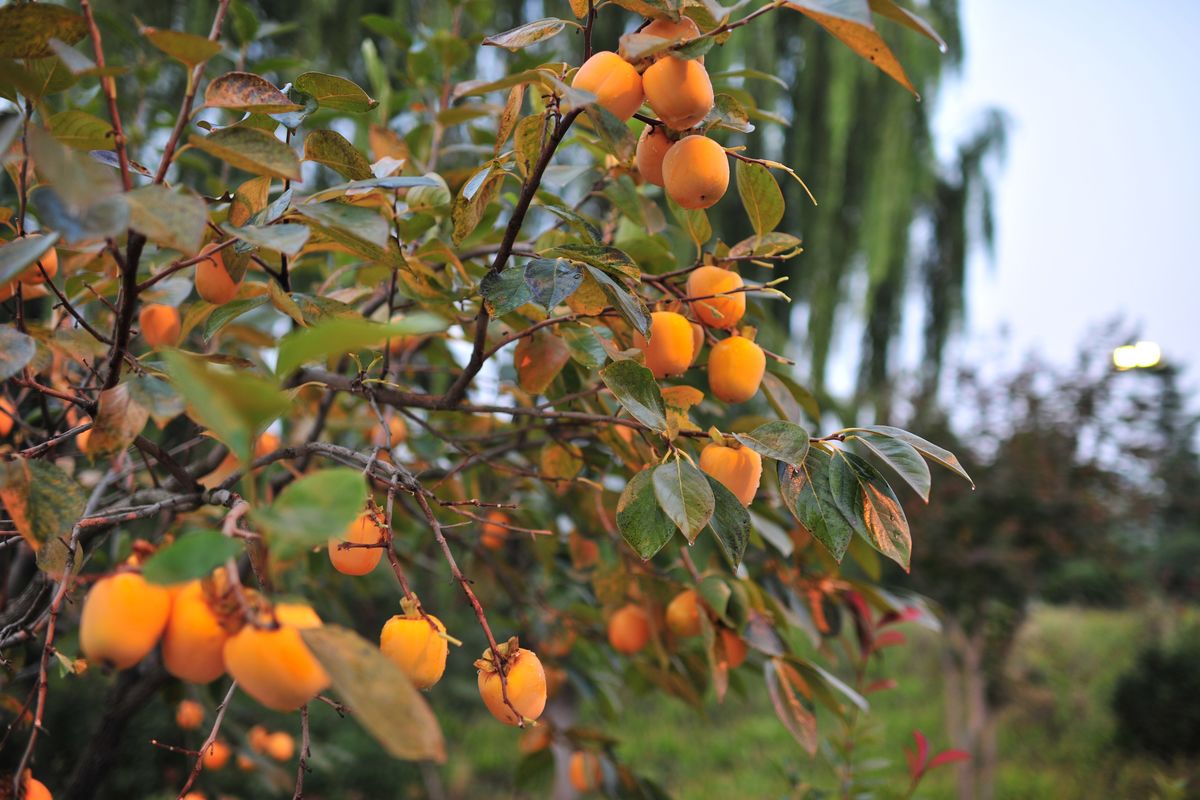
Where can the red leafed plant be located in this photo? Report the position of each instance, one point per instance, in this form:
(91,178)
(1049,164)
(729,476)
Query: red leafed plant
(920,764)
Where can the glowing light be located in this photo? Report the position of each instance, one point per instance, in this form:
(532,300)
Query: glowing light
(1140,355)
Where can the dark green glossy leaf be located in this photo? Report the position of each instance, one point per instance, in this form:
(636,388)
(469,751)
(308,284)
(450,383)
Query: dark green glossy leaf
(227,313)
(930,450)
(684,494)
(781,440)
(628,304)
(807,493)
(601,256)
(551,280)
(868,502)
(636,390)
(730,522)
(311,510)
(900,456)
(643,524)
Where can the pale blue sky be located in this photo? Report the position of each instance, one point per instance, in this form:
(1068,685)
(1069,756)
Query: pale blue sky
(1099,203)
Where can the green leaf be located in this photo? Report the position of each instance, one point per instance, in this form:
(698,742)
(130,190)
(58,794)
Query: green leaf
(601,256)
(294,119)
(235,405)
(900,456)
(807,493)
(118,421)
(393,182)
(636,390)
(311,510)
(43,502)
(245,91)
(505,291)
(174,218)
(27,28)
(643,524)
(334,151)
(695,223)
(551,281)
(18,254)
(382,697)
(81,130)
(156,396)
(525,35)
(629,305)
(684,494)
(928,449)
(288,238)
(472,201)
(730,522)
(789,398)
(729,113)
(761,196)
(252,150)
(106,217)
(339,335)
(780,440)
(365,224)
(16,350)
(334,92)
(615,135)
(186,47)
(190,558)
(875,512)
(584,344)
(227,313)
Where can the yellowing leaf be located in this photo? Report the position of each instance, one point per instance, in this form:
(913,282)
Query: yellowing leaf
(851,23)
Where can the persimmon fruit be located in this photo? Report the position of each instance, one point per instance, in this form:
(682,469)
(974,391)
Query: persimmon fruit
(417,646)
(683,613)
(652,147)
(585,771)
(193,644)
(669,350)
(696,172)
(735,369)
(357,560)
(160,325)
(614,81)
(722,312)
(526,680)
(679,91)
(494,533)
(273,665)
(123,617)
(189,714)
(213,281)
(738,469)
(216,756)
(629,629)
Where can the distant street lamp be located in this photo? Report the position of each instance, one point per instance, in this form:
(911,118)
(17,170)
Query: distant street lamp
(1140,355)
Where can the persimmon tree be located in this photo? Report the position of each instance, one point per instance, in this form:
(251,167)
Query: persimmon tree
(495,328)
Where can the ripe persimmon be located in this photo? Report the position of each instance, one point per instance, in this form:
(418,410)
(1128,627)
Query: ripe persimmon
(189,714)
(738,469)
(734,647)
(213,281)
(35,789)
(614,81)
(357,560)
(652,147)
(216,755)
(257,737)
(697,340)
(735,369)
(629,629)
(669,350)
(33,275)
(123,617)
(683,613)
(724,311)
(417,646)
(8,416)
(281,746)
(193,644)
(273,665)
(679,91)
(696,172)
(585,771)
(526,682)
(494,533)
(160,325)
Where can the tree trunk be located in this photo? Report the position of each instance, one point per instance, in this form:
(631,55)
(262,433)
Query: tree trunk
(128,696)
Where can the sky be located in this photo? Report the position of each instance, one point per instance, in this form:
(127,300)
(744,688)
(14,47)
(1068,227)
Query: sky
(1099,199)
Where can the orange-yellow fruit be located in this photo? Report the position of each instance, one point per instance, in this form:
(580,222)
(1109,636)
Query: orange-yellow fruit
(526,688)
(686,28)
(33,276)
(213,282)
(265,444)
(735,648)
(494,533)
(257,737)
(696,172)
(194,795)
(738,469)
(534,740)
(123,618)
(585,771)
(193,645)
(397,430)
(416,648)
(719,312)
(357,560)
(629,629)
(35,789)
(189,714)
(670,349)
(217,755)
(274,666)
(683,614)
(679,91)
(281,746)
(735,369)
(697,340)
(8,416)
(7,290)
(160,325)
(652,147)
(614,81)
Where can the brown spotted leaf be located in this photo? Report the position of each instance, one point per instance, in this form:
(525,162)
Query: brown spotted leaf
(119,420)
(43,501)
(245,91)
